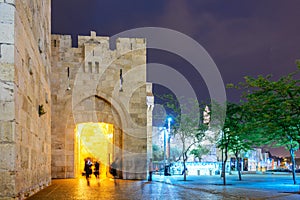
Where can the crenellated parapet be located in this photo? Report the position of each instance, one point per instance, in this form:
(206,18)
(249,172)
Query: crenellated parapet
(96,52)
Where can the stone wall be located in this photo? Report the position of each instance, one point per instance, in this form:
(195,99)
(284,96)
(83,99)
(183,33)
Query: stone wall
(7,108)
(94,93)
(25,140)
(150,107)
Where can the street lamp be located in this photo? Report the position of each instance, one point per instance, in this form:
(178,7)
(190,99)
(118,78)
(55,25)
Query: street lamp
(164,159)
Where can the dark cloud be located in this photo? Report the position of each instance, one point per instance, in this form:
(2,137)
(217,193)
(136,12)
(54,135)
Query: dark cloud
(247,37)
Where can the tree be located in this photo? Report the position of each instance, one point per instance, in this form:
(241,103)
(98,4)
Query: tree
(223,144)
(275,110)
(187,126)
(199,151)
(175,152)
(157,153)
(235,136)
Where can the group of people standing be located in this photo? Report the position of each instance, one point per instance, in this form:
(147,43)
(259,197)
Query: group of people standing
(88,169)
(112,169)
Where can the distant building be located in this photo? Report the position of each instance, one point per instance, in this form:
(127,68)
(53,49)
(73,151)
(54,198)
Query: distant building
(251,161)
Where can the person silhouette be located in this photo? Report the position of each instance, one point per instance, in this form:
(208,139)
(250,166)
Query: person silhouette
(113,169)
(150,169)
(96,169)
(88,169)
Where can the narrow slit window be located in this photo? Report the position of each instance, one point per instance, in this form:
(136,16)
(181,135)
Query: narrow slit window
(97,67)
(90,67)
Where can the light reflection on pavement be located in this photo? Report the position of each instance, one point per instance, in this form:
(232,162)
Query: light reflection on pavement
(173,188)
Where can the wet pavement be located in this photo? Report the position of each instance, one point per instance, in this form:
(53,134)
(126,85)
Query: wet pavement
(173,187)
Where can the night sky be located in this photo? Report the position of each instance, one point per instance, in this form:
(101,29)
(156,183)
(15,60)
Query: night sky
(248,37)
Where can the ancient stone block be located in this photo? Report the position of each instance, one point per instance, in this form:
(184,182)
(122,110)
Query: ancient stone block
(7,131)
(7,151)
(6,33)
(7,13)
(7,72)
(7,110)
(7,53)
(6,91)
(7,185)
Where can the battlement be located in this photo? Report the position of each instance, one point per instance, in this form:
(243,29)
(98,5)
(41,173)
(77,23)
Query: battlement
(122,44)
(64,41)
(93,40)
(95,51)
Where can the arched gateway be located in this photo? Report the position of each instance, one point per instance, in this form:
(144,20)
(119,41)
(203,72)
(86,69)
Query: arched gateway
(101,105)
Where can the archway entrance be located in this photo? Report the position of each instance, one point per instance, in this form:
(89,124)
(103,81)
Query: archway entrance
(94,140)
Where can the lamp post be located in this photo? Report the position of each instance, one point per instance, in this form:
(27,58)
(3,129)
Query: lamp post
(222,158)
(169,137)
(164,149)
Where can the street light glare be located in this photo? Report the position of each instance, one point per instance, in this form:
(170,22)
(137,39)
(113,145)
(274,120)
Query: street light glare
(169,119)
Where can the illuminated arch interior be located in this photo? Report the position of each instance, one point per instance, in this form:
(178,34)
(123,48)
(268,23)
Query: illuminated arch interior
(94,140)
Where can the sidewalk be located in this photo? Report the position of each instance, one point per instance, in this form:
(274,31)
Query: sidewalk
(252,186)
(173,187)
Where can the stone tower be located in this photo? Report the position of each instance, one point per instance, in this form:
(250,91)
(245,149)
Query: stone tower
(25,113)
(96,84)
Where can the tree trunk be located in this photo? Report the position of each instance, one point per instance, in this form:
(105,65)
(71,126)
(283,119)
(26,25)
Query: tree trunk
(223,167)
(293,164)
(184,167)
(238,166)
(184,157)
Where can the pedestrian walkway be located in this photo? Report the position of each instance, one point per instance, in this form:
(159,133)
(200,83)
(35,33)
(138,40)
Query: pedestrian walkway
(173,188)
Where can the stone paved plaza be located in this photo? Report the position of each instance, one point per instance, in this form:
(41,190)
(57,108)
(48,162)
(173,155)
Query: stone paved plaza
(173,187)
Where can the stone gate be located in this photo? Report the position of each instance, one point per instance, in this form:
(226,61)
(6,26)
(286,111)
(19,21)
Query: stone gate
(95,84)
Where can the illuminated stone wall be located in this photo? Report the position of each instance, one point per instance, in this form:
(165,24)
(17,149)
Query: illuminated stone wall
(25,140)
(95,96)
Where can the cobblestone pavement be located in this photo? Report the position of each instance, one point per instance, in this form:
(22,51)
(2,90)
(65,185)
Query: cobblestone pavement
(173,187)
